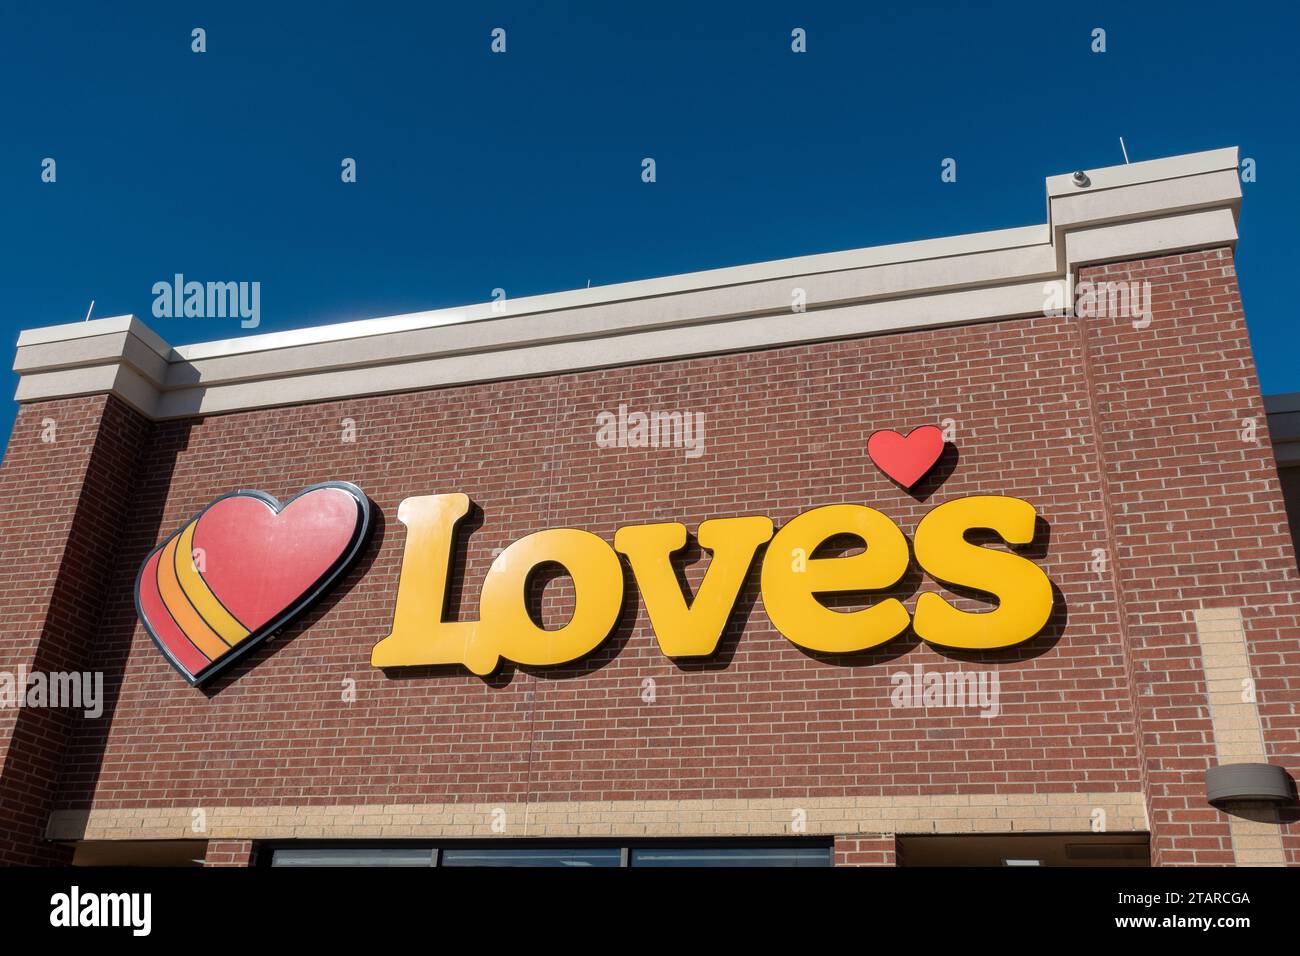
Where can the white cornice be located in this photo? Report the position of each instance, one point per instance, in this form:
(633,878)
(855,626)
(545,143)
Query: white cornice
(1144,209)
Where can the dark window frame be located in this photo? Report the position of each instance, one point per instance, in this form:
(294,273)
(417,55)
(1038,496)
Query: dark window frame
(265,849)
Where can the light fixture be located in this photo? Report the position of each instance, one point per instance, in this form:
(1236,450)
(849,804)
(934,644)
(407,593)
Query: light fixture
(1248,782)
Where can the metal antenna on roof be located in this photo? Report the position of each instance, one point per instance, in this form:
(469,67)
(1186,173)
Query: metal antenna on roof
(1124,150)
(88,311)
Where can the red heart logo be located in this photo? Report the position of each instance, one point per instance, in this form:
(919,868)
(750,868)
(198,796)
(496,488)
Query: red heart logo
(906,459)
(242,567)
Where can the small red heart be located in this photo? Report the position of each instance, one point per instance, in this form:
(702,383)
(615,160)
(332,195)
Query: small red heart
(906,459)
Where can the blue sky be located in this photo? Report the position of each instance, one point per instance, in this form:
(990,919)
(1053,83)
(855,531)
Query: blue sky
(522,170)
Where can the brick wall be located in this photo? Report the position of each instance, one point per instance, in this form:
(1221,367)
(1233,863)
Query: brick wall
(229,853)
(786,431)
(65,476)
(866,851)
(1198,520)
(1033,401)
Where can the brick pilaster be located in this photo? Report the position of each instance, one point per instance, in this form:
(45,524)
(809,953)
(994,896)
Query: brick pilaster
(1197,520)
(63,488)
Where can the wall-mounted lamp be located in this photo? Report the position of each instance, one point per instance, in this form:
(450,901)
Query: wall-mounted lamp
(1248,782)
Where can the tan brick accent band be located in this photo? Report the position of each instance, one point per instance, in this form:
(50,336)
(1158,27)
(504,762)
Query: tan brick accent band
(958,813)
(1238,733)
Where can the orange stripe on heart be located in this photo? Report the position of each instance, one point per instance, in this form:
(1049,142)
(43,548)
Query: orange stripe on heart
(242,567)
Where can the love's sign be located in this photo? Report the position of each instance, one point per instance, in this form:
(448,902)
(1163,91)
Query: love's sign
(792,579)
(246,565)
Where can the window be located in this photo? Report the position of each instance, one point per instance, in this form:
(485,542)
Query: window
(731,856)
(525,853)
(546,856)
(358,856)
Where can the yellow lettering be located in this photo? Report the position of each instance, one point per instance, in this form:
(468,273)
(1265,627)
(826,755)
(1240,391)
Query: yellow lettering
(598,597)
(1023,591)
(792,580)
(691,631)
(789,594)
(420,636)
